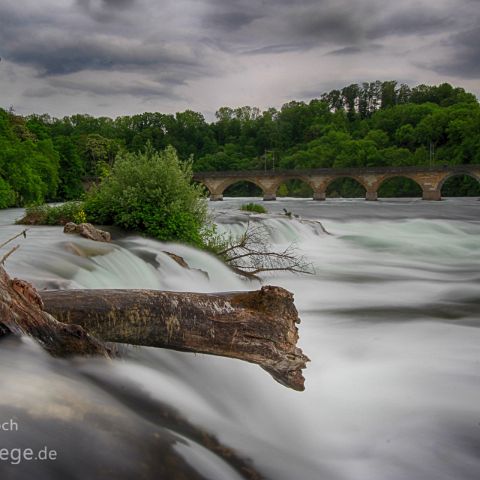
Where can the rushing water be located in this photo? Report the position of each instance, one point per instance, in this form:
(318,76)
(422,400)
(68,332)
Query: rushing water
(390,321)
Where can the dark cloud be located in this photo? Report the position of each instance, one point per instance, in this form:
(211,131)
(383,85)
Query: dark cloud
(118,3)
(327,25)
(356,49)
(98,87)
(352,50)
(53,55)
(465,61)
(191,50)
(104,10)
(277,49)
(113,88)
(418,21)
(277,26)
(228,21)
(121,4)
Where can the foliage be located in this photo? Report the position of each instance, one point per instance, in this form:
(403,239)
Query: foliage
(369,124)
(54,215)
(7,195)
(28,165)
(151,192)
(253,207)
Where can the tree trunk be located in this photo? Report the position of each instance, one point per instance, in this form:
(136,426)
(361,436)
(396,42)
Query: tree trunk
(21,312)
(259,327)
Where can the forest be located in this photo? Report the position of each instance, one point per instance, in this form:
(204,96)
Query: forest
(369,124)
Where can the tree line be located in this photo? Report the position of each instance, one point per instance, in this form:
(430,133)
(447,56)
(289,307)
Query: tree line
(372,124)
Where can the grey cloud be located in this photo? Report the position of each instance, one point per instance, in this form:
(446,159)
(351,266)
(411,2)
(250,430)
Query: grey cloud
(419,21)
(118,3)
(156,87)
(113,88)
(104,10)
(337,24)
(465,61)
(40,92)
(55,55)
(346,51)
(105,3)
(277,26)
(272,49)
(355,49)
(148,48)
(229,20)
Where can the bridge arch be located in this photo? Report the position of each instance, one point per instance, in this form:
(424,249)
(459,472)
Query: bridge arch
(347,186)
(302,186)
(462,178)
(238,182)
(403,186)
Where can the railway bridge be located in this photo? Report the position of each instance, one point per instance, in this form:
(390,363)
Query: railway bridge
(430,179)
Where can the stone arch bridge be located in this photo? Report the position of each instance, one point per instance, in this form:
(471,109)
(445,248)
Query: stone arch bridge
(430,179)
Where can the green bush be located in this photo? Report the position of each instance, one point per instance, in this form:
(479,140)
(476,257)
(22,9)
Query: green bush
(253,207)
(54,215)
(151,193)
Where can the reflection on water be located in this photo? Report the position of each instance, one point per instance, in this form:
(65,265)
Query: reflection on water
(390,320)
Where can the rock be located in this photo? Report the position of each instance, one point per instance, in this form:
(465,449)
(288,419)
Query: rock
(177,258)
(87,230)
(181,261)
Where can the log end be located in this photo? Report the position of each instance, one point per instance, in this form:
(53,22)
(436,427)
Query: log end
(284,361)
(22,313)
(289,372)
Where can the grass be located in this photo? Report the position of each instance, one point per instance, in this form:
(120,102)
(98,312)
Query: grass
(54,215)
(253,207)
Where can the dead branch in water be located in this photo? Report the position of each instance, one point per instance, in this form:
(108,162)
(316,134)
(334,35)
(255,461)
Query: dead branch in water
(14,249)
(252,253)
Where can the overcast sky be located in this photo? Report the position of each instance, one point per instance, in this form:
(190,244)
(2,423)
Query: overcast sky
(116,57)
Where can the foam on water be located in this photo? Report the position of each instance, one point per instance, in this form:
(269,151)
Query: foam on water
(389,319)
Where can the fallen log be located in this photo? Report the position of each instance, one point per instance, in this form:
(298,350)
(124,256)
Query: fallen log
(21,313)
(258,327)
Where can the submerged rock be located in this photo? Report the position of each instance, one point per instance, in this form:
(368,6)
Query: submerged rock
(178,259)
(87,230)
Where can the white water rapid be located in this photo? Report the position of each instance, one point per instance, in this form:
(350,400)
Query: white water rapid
(390,320)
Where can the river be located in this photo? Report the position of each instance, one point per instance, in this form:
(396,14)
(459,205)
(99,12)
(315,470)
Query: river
(390,321)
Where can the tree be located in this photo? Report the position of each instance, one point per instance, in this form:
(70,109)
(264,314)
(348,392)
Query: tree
(151,192)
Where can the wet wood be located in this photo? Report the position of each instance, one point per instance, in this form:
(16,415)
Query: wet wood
(21,313)
(258,327)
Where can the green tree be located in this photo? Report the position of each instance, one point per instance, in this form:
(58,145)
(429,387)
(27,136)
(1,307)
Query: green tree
(151,192)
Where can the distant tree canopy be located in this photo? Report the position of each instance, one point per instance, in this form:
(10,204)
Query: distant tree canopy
(372,124)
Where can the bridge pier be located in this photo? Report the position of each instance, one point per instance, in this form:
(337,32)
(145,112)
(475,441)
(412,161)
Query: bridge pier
(319,195)
(217,197)
(371,195)
(432,195)
(269,197)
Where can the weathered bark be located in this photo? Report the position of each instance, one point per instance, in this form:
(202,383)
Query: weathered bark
(21,312)
(259,327)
